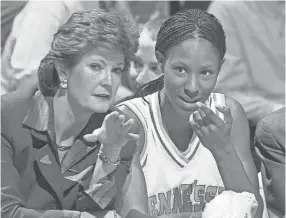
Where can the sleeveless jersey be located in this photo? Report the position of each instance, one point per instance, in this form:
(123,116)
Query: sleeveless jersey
(179,184)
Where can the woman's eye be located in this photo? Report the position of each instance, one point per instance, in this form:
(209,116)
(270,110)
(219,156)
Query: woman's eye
(96,66)
(206,73)
(180,70)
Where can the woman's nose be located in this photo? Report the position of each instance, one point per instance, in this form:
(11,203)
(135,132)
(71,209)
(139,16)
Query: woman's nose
(106,79)
(192,87)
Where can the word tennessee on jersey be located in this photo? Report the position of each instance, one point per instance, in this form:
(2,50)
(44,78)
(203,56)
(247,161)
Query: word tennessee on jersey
(179,184)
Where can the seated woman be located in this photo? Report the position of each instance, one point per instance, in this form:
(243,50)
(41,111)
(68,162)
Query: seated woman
(51,165)
(193,143)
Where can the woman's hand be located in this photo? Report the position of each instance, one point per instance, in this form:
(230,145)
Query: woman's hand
(213,132)
(114,131)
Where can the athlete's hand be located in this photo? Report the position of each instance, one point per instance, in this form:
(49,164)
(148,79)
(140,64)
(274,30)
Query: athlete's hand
(114,131)
(213,132)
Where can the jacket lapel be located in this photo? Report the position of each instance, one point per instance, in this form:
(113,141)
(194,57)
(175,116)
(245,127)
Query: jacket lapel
(46,164)
(83,149)
(78,152)
(77,168)
(48,172)
(77,164)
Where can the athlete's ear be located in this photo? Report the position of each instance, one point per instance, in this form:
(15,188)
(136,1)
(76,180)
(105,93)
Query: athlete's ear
(221,63)
(160,59)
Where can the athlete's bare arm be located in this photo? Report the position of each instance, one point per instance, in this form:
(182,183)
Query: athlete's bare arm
(229,143)
(134,199)
(240,136)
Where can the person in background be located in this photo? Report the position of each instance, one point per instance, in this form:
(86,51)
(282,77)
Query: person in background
(254,69)
(25,47)
(270,146)
(145,68)
(9,9)
(63,148)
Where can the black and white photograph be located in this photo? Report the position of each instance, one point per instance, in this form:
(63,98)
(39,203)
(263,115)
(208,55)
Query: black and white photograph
(142,109)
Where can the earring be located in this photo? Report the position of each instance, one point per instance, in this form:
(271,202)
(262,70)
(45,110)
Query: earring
(64,84)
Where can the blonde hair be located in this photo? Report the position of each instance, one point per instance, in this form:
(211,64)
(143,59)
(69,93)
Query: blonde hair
(82,30)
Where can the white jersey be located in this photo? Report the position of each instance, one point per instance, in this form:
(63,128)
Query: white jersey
(178,183)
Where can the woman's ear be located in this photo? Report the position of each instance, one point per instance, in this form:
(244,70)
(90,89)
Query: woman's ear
(160,59)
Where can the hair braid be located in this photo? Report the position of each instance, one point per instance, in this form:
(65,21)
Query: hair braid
(186,24)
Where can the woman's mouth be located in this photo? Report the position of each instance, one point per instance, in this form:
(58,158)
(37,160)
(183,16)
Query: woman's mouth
(189,101)
(102,96)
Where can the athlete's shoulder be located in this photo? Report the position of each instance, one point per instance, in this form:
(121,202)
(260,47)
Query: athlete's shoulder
(137,100)
(223,100)
(137,108)
(235,107)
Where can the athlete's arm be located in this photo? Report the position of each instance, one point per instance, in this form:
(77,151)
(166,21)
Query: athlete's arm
(134,202)
(138,128)
(229,142)
(240,138)
(134,193)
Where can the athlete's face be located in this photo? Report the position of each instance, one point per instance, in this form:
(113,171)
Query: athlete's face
(190,73)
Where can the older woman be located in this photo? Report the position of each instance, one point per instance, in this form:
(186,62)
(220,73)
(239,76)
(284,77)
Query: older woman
(51,166)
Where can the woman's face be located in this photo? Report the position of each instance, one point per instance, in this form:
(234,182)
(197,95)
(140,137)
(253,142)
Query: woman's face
(190,72)
(144,68)
(94,80)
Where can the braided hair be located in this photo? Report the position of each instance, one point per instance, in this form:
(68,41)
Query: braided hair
(186,24)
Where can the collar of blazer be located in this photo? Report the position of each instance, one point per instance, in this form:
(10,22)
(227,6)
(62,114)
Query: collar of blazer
(37,120)
(79,157)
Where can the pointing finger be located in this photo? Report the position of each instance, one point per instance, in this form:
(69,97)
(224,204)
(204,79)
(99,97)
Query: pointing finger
(128,125)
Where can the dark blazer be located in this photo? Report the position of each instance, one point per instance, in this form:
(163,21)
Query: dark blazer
(270,146)
(34,183)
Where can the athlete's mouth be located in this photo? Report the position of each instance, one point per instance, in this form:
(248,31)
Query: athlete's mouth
(190,101)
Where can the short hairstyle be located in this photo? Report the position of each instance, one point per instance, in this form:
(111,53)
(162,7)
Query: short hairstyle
(83,30)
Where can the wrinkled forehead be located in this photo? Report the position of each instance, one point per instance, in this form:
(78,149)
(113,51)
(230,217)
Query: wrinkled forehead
(106,51)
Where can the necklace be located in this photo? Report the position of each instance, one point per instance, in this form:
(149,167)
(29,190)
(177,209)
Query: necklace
(63,148)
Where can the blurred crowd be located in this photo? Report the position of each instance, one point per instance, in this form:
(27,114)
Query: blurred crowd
(253,71)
